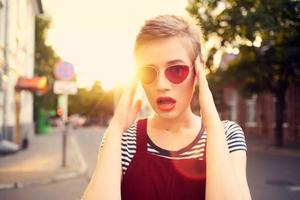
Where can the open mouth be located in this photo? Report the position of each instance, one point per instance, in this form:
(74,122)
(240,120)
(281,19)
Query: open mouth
(165,103)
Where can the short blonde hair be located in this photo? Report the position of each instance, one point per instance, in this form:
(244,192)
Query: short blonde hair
(165,26)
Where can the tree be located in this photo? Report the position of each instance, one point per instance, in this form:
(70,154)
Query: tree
(96,104)
(45,59)
(266,32)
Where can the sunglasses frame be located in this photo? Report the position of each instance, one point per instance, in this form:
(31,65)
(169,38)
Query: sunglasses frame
(157,72)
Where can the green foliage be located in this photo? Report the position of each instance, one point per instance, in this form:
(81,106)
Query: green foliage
(94,103)
(274,63)
(266,32)
(275,20)
(45,59)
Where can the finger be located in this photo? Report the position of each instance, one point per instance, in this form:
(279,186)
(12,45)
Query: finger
(199,66)
(131,88)
(208,109)
(128,92)
(200,72)
(136,108)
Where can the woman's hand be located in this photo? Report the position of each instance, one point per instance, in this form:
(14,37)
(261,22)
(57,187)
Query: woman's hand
(231,176)
(106,179)
(208,109)
(126,111)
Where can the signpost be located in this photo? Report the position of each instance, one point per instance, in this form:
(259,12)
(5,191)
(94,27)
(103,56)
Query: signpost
(64,71)
(64,86)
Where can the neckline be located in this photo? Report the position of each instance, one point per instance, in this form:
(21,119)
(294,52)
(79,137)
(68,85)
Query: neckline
(177,152)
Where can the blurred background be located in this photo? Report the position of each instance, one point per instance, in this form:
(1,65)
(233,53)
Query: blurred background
(63,65)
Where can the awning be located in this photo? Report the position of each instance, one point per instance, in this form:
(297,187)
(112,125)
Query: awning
(35,84)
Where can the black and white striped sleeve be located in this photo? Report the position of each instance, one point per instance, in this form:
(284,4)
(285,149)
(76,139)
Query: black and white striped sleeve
(235,136)
(128,146)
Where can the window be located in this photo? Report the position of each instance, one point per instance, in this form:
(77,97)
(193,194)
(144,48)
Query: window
(232,105)
(251,111)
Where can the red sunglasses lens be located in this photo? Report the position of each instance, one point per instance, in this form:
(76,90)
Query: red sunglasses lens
(147,74)
(176,74)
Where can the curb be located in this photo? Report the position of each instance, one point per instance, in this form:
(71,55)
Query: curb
(61,177)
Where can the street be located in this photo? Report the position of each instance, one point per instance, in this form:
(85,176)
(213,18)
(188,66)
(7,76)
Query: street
(269,176)
(88,140)
(273,177)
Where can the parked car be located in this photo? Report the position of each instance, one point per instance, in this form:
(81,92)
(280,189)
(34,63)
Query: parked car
(76,120)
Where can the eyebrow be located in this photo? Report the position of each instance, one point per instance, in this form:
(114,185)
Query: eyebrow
(171,62)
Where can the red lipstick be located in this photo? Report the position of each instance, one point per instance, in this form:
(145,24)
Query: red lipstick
(165,103)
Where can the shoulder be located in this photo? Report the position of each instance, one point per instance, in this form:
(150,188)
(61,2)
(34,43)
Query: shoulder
(231,127)
(235,136)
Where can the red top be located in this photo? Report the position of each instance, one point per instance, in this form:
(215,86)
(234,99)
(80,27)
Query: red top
(153,177)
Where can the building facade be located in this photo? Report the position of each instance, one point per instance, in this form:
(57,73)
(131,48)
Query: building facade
(17,41)
(256,115)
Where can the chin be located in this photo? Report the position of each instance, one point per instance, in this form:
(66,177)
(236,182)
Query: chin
(167,115)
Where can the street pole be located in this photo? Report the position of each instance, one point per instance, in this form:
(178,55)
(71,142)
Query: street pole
(64,72)
(64,144)
(63,104)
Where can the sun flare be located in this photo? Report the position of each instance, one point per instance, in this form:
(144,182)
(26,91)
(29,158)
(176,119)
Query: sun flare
(99,40)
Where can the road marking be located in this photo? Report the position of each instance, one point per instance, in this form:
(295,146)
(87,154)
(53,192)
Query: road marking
(295,188)
(83,166)
(6,186)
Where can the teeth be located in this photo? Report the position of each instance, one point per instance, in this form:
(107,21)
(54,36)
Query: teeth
(165,102)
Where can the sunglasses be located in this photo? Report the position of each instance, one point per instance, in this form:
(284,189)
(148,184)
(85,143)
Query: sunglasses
(175,74)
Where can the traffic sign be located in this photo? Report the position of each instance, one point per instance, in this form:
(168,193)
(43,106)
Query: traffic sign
(65,87)
(64,71)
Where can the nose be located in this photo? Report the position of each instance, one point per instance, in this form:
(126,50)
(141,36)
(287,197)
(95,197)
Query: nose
(162,83)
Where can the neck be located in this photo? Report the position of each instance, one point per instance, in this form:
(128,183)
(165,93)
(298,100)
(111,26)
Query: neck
(185,120)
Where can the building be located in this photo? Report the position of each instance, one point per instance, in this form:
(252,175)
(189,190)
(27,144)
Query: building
(256,115)
(17,38)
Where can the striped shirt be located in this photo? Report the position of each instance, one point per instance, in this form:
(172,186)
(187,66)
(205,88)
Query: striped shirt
(195,150)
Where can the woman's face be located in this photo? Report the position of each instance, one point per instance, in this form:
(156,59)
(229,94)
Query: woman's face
(168,99)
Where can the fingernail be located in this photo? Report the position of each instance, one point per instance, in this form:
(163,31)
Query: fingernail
(139,103)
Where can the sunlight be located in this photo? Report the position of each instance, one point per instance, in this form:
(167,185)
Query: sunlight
(99,41)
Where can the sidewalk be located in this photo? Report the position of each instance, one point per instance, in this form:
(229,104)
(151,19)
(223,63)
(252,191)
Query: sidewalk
(265,145)
(41,162)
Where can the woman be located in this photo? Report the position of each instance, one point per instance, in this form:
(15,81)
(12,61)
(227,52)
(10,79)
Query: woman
(173,154)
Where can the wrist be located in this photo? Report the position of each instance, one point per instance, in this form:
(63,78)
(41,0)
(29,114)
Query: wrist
(115,126)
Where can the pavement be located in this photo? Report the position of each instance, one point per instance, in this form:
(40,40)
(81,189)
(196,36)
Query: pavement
(41,162)
(266,145)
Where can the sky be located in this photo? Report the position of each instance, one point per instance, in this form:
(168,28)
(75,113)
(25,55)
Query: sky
(97,36)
